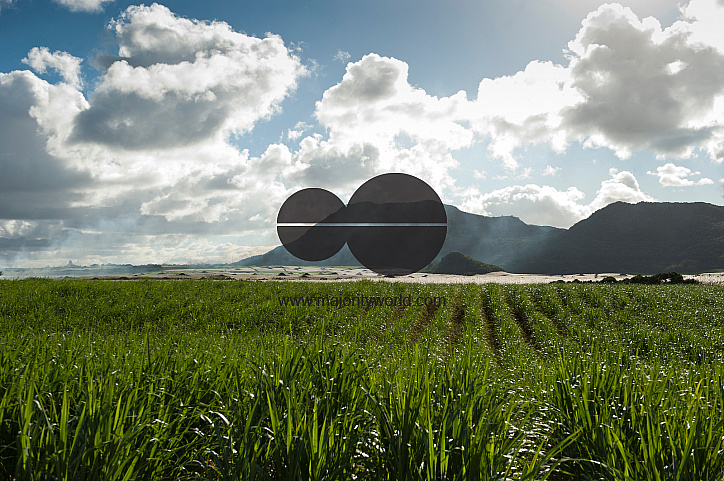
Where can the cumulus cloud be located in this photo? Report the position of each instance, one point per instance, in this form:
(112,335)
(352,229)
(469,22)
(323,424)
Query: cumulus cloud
(36,182)
(68,67)
(621,187)
(143,169)
(377,120)
(83,5)
(525,174)
(546,205)
(11,228)
(645,87)
(374,101)
(321,163)
(671,175)
(629,85)
(200,180)
(534,204)
(179,81)
(209,187)
(190,83)
(523,109)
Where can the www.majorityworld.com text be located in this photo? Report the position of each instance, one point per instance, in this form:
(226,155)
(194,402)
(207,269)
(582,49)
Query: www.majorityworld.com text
(361,301)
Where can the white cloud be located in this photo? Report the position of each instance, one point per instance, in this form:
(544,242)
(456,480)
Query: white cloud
(526,173)
(546,205)
(143,170)
(671,175)
(84,5)
(212,184)
(188,188)
(623,66)
(428,161)
(34,117)
(375,102)
(342,56)
(16,228)
(704,21)
(524,108)
(621,187)
(326,164)
(296,132)
(6,3)
(67,66)
(549,170)
(629,85)
(533,204)
(375,107)
(179,81)
(479,174)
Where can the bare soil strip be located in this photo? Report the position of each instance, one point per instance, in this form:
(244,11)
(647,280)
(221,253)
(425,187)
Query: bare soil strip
(491,325)
(456,324)
(521,320)
(423,321)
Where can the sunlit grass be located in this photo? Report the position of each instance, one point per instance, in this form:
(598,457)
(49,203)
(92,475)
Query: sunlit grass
(105,380)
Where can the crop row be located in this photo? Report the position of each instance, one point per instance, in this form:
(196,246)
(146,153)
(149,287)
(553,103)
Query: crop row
(218,380)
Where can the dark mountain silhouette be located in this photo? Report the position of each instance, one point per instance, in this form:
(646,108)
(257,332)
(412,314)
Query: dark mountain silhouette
(460,264)
(642,238)
(280,257)
(635,238)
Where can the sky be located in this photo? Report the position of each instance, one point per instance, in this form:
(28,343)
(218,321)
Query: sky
(173,132)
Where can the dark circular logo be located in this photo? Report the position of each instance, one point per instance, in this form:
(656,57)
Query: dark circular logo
(395,224)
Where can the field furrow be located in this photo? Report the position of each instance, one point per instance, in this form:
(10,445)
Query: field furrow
(204,380)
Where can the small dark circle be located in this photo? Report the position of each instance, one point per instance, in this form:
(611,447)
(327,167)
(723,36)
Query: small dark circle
(317,241)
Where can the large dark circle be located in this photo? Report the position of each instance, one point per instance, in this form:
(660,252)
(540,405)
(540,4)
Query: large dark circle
(396,250)
(315,242)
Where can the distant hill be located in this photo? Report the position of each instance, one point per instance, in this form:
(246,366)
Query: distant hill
(460,264)
(635,238)
(280,257)
(497,240)
(644,238)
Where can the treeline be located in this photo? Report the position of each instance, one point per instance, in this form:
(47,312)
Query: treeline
(661,278)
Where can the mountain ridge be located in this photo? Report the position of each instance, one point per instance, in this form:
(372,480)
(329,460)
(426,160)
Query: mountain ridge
(647,237)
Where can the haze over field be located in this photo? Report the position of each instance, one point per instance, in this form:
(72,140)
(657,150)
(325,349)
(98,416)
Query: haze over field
(173,134)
